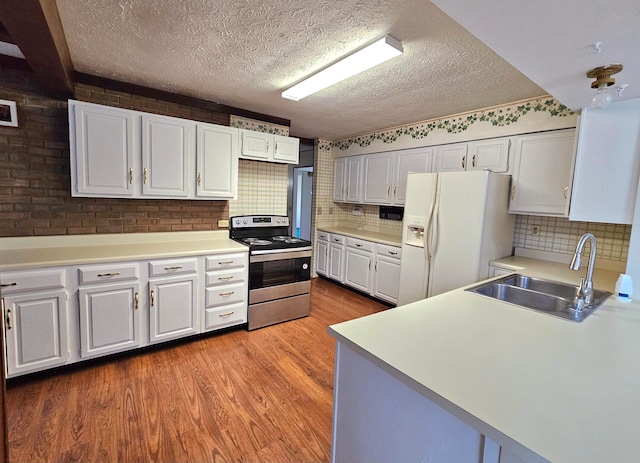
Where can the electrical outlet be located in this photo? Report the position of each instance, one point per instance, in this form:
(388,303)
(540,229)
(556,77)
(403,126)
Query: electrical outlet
(223,223)
(534,229)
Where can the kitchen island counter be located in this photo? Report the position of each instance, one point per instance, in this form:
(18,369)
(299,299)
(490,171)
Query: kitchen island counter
(537,385)
(47,251)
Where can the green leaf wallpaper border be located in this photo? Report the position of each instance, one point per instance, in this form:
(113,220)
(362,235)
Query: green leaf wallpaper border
(258,126)
(498,116)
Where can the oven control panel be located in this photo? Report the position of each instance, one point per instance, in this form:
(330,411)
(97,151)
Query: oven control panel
(256,221)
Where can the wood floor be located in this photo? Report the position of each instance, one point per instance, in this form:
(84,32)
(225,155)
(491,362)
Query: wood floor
(260,396)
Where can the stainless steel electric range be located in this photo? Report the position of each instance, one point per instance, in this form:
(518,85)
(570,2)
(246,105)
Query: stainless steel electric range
(279,269)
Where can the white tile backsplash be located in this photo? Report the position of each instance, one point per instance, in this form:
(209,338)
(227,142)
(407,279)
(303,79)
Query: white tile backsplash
(262,189)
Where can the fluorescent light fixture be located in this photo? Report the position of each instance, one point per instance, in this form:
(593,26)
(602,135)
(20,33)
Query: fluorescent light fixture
(378,52)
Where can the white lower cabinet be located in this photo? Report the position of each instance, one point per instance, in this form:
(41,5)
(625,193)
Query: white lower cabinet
(336,257)
(117,307)
(109,309)
(322,254)
(226,292)
(173,297)
(359,264)
(35,320)
(372,268)
(386,274)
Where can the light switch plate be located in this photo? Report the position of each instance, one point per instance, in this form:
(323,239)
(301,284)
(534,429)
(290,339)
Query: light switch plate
(223,223)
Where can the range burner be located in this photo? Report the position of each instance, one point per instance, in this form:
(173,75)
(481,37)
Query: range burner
(257,242)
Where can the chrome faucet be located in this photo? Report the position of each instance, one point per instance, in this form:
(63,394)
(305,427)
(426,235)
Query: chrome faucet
(585,291)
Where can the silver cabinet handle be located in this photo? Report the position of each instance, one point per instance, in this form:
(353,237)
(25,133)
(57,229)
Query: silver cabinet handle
(393,253)
(8,319)
(153,299)
(137,298)
(130,175)
(227,294)
(177,267)
(8,284)
(225,278)
(145,175)
(473,161)
(226,262)
(113,274)
(564,192)
(359,245)
(464,158)
(225,315)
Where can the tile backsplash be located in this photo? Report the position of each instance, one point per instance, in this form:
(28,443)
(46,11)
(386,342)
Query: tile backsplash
(262,189)
(559,235)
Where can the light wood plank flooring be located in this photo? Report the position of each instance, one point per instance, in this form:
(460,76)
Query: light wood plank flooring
(260,396)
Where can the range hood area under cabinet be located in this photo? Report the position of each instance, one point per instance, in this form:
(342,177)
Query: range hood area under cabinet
(121,153)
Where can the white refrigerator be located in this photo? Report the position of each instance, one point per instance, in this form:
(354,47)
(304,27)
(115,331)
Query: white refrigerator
(454,224)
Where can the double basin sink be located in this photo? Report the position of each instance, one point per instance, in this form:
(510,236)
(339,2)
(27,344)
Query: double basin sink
(550,297)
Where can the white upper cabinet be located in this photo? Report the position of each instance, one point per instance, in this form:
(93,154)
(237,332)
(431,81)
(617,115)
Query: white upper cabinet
(607,164)
(216,161)
(286,149)
(339,176)
(378,173)
(261,146)
(411,160)
(451,158)
(490,155)
(104,148)
(167,150)
(119,153)
(542,174)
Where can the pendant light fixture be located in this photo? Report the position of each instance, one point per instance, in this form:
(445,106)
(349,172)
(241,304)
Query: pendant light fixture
(376,53)
(603,74)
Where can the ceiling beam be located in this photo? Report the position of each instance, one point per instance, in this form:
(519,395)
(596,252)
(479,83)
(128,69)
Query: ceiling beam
(35,27)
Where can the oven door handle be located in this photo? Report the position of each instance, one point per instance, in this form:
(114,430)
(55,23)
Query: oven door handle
(279,255)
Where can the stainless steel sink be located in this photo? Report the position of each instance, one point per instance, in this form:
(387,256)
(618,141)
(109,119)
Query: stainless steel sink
(550,297)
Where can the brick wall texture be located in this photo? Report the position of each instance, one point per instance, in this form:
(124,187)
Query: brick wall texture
(35,179)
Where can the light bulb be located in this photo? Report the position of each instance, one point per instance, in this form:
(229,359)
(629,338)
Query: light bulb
(602,98)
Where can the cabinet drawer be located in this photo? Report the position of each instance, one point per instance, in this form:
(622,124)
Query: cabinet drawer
(107,273)
(172,267)
(14,282)
(220,317)
(226,261)
(323,236)
(227,294)
(389,251)
(360,244)
(338,239)
(226,276)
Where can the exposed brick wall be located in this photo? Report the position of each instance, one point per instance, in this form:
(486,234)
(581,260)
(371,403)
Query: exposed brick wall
(35,180)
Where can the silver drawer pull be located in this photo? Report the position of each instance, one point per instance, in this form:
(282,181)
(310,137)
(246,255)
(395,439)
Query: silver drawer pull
(177,267)
(8,284)
(225,315)
(225,278)
(393,253)
(227,294)
(359,245)
(336,240)
(109,274)
(225,262)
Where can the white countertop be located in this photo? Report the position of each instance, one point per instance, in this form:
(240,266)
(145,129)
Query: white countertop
(569,392)
(390,237)
(48,251)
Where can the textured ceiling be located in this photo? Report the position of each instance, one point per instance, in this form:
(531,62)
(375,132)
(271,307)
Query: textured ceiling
(244,53)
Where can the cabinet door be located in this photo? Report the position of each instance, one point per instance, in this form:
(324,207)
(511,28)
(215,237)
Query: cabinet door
(35,331)
(217,161)
(386,278)
(358,270)
(414,160)
(103,150)
(542,173)
(605,179)
(339,179)
(173,308)
(286,149)
(378,172)
(451,158)
(322,258)
(490,155)
(354,179)
(109,318)
(336,262)
(167,150)
(256,145)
